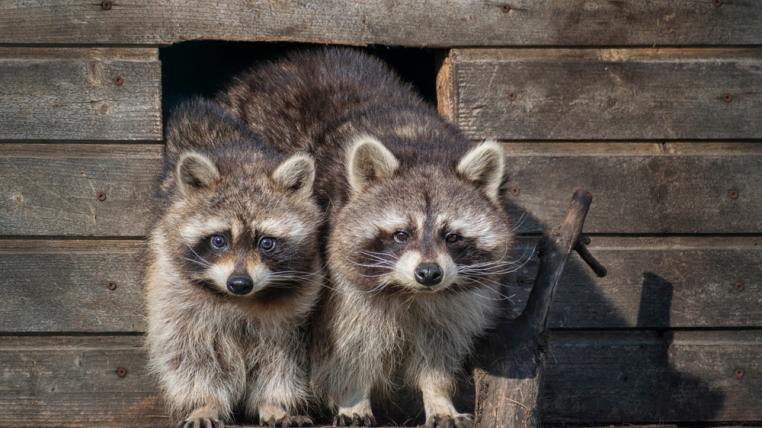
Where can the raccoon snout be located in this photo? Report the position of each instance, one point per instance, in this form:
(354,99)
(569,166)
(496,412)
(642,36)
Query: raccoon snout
(428,274)
(240,284)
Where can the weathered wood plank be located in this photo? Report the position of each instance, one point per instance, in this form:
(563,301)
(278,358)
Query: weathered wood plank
(642,190)
(79,94)
(611,94)
(61,381)
(654,283)
(53,189)
(683,376)
(78,189)
(71,286)
(419,23)
(63,286)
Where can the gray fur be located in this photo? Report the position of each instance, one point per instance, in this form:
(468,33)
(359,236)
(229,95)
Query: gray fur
(214,351)
(376,324)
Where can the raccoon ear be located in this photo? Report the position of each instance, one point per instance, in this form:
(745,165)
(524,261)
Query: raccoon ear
(296,174)
(367,160)
(483,165)
(195,171)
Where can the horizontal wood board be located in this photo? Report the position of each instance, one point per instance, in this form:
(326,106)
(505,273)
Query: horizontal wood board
(680,377)
(79,189)
(607,94)
(638,377)
(415,23)
(637,191)
(80,94)
(71,286)
(56,189)
(87,286)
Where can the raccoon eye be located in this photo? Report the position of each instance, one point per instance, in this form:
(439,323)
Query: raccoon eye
(401,236)
(452,238)
(266,243)
(218,242)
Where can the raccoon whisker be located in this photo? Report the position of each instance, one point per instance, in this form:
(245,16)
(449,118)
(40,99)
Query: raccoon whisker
(198,255)
(295,273)
(379,266)
(519,222)
(491,284)
(379,256)
(201,263)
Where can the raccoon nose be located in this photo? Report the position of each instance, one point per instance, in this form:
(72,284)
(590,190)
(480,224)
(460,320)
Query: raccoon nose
(240,284)
(428,274)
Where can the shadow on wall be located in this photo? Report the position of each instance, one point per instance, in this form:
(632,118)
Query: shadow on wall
(616,375)
(593,375)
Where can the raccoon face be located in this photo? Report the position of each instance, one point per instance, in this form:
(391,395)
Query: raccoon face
(425,229)
(245,233)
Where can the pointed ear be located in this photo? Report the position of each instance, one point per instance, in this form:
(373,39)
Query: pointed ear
(483,165)
(296,175)
(368,160)
(195,171)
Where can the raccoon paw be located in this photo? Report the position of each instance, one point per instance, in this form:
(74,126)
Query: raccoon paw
(287,421)
(449,421)
(355,420)
(201,423)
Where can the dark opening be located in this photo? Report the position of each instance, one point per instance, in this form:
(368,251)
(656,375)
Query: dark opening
(201,68)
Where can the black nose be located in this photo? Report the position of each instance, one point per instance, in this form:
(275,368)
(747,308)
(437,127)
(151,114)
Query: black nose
(428,274)
(240,284)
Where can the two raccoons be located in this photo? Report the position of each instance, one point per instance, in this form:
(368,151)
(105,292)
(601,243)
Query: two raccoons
(413,233)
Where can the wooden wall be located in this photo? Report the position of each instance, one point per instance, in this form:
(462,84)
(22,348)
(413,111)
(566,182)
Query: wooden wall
(580,92)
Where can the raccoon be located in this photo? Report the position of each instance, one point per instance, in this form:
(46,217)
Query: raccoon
(417,238)
(233,273)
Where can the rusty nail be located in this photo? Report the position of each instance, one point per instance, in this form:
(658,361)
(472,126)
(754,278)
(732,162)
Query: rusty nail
(505,8)
(106,5)
(101,196)
(119,81)
(512,96)
(739,374)
(121,371)
(515,191)
(733,194)
(740,286)
(586,240)
(718,3)
(728,98)
(112,285)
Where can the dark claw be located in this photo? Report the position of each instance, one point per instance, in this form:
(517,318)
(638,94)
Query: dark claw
(341,421)
(370,421)
(356,420)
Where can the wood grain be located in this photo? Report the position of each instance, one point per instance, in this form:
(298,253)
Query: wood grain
(70,381)
(71,286)
(52,189)
(419,23)
(639,191)
(62,286)
(78,189)
(80,94)
(609,94)
(683,377)
(658,282)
